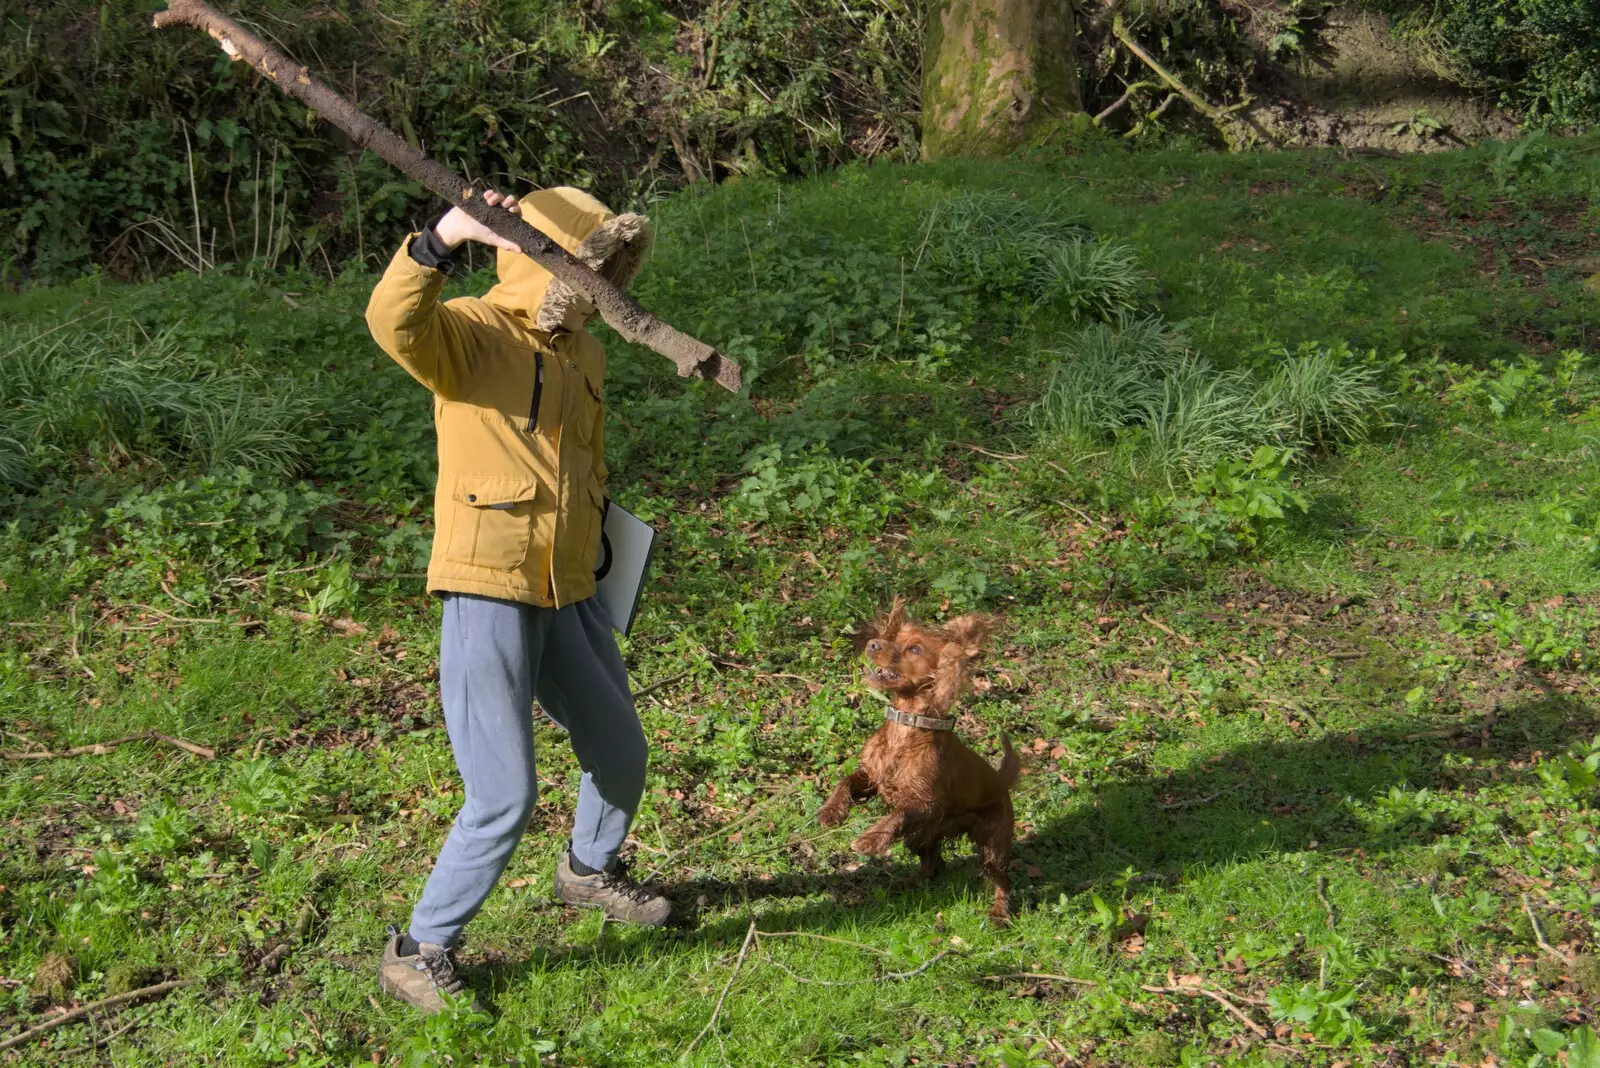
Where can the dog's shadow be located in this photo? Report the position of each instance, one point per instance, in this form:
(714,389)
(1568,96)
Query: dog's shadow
(1255,800)
(1251,801)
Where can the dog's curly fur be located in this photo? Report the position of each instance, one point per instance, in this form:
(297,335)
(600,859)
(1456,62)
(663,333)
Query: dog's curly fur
(935,787)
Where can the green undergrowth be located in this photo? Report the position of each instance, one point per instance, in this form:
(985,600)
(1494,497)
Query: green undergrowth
(1279,472)
(139,152)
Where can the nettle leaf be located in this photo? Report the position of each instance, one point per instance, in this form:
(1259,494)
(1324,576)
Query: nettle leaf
(1549,1042)
(1584,1049)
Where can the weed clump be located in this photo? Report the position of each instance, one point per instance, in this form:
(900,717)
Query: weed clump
(1198,415)
(1104,375)
(1091,279)
(126,975)
(53,978)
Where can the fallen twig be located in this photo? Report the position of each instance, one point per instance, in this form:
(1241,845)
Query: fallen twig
(24,739)
(1017,457)
(1204,991)
(659,683)
(1222,118)
(1142,877)
(1300,710)
(158,990)
(1538,935)
(275,957)
(102,748)
(1046,976)
(749,937)
(1164,629)
(100,1040)
(348,627)
(1194,801)
(995,455)
(1117,104)
(824,938)
(886,977)
(1327,906)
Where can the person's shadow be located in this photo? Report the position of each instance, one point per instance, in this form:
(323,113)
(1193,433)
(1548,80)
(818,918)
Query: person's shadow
(1253,800)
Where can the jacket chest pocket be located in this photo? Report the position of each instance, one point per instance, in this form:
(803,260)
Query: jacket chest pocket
(491,522)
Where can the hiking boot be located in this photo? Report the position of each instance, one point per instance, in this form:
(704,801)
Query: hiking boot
(421,978)
(613,890)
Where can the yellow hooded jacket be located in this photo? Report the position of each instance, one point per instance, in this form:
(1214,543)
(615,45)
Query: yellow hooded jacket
(518,405)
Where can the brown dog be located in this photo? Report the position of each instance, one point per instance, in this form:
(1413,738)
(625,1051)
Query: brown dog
(935,787)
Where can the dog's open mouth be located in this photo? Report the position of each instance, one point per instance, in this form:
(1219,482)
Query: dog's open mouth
(881,676)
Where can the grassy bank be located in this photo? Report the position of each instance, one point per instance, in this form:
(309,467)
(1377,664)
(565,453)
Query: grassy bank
(1299,634)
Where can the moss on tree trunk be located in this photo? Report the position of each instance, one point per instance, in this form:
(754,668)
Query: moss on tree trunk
(997,74)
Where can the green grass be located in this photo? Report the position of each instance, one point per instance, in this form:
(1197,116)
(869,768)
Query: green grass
(1301,732)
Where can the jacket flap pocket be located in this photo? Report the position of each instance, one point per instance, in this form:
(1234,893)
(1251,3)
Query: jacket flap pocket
(596,494)
(594,376)
(484,491)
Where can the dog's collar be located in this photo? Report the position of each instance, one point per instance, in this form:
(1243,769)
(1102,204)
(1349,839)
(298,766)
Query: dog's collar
(911,719)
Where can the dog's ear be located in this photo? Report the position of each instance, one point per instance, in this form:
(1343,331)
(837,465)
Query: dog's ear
(891,624)
(967,634)
(949,679)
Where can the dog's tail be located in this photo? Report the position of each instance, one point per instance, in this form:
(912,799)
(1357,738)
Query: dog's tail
(1010,763)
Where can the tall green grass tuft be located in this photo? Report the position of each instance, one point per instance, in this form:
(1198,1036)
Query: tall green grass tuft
(1325,398)
(1133,382)
(102,391)
(995,238)
(1090,279)
(1105,374)
(1198,415)
(1014,246)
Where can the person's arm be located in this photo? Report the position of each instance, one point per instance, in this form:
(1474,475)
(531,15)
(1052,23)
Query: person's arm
(405,316)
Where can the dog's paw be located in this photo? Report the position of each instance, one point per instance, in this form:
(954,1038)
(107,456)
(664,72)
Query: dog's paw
(873,845)
(831,815)
(999,917)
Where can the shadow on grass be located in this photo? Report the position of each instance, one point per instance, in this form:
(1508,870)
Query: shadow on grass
(1254,801)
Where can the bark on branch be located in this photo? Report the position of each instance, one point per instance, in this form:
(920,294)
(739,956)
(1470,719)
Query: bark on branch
(1223,119)
(620,311)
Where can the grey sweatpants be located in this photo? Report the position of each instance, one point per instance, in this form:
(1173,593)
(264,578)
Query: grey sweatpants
(495,657)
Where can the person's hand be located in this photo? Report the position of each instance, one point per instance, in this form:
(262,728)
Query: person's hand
(457,226)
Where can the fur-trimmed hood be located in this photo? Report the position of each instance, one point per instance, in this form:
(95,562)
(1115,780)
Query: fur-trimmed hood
(613,245)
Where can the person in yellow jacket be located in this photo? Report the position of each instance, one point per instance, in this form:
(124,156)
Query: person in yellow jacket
(519,409)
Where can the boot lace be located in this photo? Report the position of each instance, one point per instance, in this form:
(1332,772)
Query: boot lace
(618,881)
(440,968)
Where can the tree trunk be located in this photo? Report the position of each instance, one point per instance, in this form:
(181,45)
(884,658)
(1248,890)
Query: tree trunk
(996,75)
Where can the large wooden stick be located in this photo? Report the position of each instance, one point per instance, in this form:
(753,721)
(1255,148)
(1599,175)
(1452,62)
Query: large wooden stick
(624,314)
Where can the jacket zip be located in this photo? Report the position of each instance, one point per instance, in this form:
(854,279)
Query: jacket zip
(538,391)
